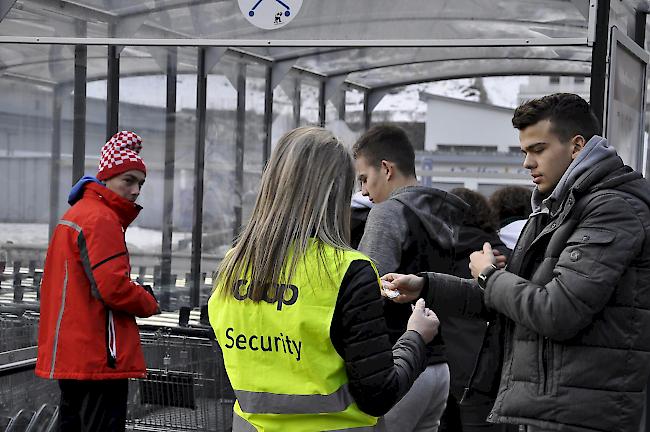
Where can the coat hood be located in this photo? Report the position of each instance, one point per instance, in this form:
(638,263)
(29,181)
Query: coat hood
(440,212)
(77,190)
(595,151)
(471,239)
(599,168)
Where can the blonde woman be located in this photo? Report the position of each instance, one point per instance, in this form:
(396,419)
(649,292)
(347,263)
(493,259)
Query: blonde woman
(298,313)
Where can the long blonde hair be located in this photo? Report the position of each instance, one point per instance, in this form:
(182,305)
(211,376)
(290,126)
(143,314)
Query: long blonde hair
(305,192)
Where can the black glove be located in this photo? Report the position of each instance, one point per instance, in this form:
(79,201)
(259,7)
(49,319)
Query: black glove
(148,289)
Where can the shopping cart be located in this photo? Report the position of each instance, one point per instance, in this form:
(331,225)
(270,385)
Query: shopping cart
(186,388)
(25,400)
(18,331)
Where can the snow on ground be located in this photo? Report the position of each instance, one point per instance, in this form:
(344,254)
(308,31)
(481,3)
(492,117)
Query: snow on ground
(137,239)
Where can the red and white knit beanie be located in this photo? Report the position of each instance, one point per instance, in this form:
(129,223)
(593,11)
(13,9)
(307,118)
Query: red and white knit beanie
(120,154)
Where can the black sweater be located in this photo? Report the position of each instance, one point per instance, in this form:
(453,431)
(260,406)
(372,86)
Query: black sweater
(379,375)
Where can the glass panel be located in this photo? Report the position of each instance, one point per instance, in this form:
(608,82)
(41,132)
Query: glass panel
(254,138)
(220,200)
(35,173)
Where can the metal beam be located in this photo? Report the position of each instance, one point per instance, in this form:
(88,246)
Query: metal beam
(367,111)
(322,103)
(475,73)
(346,72)
(370,101)
(640,20)
(199,168)
(168,185)
(341,104)
(5,7)
(268,114)
(240,134)
(112,92)
(297,101)
(280,70)
(333,85)
(249,56)
(289,43)
(79,122)
(212,57)
(599,62)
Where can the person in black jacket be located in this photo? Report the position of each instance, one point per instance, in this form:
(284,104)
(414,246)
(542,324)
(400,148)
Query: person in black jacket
(360,208)
(511,206)
(410,228)
(463,336)
(569,315)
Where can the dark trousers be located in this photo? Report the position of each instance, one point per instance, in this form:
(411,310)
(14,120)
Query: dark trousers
(93,406)
(471,416)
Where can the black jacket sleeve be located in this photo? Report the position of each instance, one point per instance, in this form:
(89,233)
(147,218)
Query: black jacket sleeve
(378,375)
(455,296)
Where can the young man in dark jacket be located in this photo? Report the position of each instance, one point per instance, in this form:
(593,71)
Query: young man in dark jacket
(570,313)
(410,228)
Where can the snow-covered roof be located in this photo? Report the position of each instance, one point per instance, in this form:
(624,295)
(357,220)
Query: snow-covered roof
(488,106)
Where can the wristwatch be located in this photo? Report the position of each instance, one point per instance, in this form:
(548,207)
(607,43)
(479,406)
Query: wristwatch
(485,274)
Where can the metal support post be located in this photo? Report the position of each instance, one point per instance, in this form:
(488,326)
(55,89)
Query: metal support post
(199,167)
(599,61)
(79,123)
(112,91)
(268,114)
(168,185)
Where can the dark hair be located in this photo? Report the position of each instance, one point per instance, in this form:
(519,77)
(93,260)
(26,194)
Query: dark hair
(511,203)
(386,142)
(569,114)
(479,214)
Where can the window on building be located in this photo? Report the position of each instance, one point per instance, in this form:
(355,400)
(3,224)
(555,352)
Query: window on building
(554,80)
(579,79)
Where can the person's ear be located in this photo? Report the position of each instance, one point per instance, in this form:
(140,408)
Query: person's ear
(386,169)
(577,144)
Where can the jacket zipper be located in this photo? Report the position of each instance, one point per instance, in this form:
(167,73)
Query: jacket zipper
(111,342)
(547,358)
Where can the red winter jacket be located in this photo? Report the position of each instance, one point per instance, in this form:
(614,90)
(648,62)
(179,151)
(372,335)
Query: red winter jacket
(88,301)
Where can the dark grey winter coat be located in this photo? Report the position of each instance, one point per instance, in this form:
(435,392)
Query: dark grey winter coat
(570,314)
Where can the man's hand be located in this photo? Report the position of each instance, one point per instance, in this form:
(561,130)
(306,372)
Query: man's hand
(423,321)
(480,260)
(500,259)
(408,286)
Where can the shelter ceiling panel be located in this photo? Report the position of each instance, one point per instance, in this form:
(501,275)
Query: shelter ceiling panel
(45,63)
(348,61)
(433,71)
(332,19)
(383,19)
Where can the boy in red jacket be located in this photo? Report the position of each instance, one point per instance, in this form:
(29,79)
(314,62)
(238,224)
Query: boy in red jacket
(88,338)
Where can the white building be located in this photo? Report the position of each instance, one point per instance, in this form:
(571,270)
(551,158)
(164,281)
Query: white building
(539,86)
(469,144)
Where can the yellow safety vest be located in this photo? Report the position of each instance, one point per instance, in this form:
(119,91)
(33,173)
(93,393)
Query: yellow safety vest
(286,374)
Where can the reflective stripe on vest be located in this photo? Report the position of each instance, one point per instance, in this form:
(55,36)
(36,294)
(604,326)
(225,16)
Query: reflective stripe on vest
(240,424)
(271,403)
